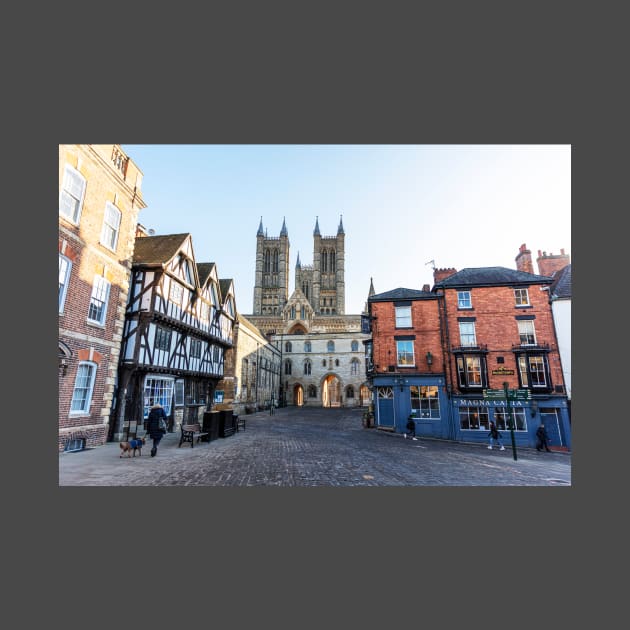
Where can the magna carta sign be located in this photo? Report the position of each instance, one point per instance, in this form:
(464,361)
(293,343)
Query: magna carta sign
(502,372)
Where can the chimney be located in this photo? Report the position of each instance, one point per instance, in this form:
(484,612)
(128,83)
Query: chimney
(442,274)
(524,259)
(426,288)
(548,264)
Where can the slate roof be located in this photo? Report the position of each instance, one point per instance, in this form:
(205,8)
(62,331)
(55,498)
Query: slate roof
(224,286)
(561,285)
(400,294)
(204,270)
(157,250)
(490,276)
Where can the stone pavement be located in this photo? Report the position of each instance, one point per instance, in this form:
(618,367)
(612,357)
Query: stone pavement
(311,446)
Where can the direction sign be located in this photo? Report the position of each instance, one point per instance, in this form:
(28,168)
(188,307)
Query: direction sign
(519,394)
(494,394)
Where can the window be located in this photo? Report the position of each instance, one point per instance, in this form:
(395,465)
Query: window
(98,300)
(307,346)
(424,401)
(323,362)
(302,312)
(385,393)
(288,347)
(521,297)
(83,387)
(403,316)
(195,348)
(292,316)
(162,338)
(404,352)
(276,260)
(336,362)
(469,371)
(467,335)
(473,418)
(64,278)
(312,391)
(72,193)
(349,391)
(502,419)
(158,389)
(526,332)
(179,392)
(354,367)
(307,367)
(463,299)
(331,346)
(533,370)
(354,346)
(287,368)
(230,307)
(111,226)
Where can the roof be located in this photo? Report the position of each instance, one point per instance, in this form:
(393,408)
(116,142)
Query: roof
(490,276)
(561,285)
(157,250)
(400,294)
(204,270)
(224,286)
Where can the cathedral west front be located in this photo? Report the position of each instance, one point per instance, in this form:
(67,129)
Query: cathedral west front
(321,347)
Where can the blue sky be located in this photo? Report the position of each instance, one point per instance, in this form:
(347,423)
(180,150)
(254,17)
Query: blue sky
(402,206)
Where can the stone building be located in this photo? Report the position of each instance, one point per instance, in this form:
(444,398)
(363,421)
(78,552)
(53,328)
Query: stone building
(321,347)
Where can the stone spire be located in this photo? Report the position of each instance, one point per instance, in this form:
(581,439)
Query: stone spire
(298,264)
(283,231)
(340,228)
(261,231)
(316,231)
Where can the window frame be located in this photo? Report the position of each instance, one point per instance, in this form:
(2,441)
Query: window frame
(63,288)
(518,301)
(465,371)
(466,335)
(107,228)
(88,387)
(524,334)
(99,283)
(400,318)
(69,172)
(403,353)
(464,300)
(162,334)
(426,403)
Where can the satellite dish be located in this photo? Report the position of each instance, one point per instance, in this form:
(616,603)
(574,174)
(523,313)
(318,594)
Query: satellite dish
(151,232)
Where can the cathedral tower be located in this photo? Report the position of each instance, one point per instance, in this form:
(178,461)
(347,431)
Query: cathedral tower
(328,275)
(271,285)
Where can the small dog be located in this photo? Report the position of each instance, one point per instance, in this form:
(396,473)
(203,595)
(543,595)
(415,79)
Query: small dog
(132,445)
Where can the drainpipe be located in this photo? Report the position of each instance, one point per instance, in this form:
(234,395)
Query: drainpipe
(447,359)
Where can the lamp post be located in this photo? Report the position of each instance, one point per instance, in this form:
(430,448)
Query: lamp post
(429,360)
(510,418)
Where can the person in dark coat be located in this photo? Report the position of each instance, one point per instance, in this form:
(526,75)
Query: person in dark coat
(411,427)
(153,426)
(543,439)
(495,437)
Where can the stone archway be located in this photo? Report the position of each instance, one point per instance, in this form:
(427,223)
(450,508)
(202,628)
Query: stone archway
(298,395)
(366,395)
(331,391)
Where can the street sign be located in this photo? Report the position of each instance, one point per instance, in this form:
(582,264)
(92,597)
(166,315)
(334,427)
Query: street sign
(519,394)
(494,394)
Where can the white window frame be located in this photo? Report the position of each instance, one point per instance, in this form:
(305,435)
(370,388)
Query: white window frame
(158,389)
(70,195)
(527,331)
(65,268)
(83,388)
(467,333)
(111,226)
(521,297)
(464,299)
(401,353)
(403,316)
(99,299)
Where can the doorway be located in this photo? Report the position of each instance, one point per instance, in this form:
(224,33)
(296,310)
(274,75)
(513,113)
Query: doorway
(331,391)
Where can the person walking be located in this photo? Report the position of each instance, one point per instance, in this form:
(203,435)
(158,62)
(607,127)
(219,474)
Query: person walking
(411,427)
(495,437)
(542,439)
(156,426)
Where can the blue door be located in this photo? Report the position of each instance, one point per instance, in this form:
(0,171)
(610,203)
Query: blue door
(385,407)
(549,416)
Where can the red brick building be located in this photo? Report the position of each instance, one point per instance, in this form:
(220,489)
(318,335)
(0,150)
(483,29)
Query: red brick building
(99,201)
(488,328)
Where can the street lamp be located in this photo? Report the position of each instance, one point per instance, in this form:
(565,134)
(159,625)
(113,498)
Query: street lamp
(429,360)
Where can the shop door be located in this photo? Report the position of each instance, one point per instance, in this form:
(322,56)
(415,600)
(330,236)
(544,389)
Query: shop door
(549,417)
(385,407)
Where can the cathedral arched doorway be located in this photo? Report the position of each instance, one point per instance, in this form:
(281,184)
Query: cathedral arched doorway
(331,391)
(298,395)
(366,395)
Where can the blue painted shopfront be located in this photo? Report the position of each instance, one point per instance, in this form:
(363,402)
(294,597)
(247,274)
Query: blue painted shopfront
(471,418)
(424,397)
(465,419)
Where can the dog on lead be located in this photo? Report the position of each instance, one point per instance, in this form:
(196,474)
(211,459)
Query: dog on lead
(133,445)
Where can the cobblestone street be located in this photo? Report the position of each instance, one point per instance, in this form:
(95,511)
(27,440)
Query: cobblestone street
(314,447)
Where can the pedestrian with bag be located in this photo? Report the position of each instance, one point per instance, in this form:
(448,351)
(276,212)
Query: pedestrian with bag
(156,426)
(495,437)
(542,439)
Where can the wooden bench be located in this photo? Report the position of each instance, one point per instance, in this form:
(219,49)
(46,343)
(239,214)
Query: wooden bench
(190,432)
(240,422)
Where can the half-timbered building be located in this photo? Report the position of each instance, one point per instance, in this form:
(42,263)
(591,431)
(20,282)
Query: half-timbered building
(178,326)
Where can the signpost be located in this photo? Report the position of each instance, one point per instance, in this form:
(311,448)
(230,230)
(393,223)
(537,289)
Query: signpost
(508,395)
(510,417)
